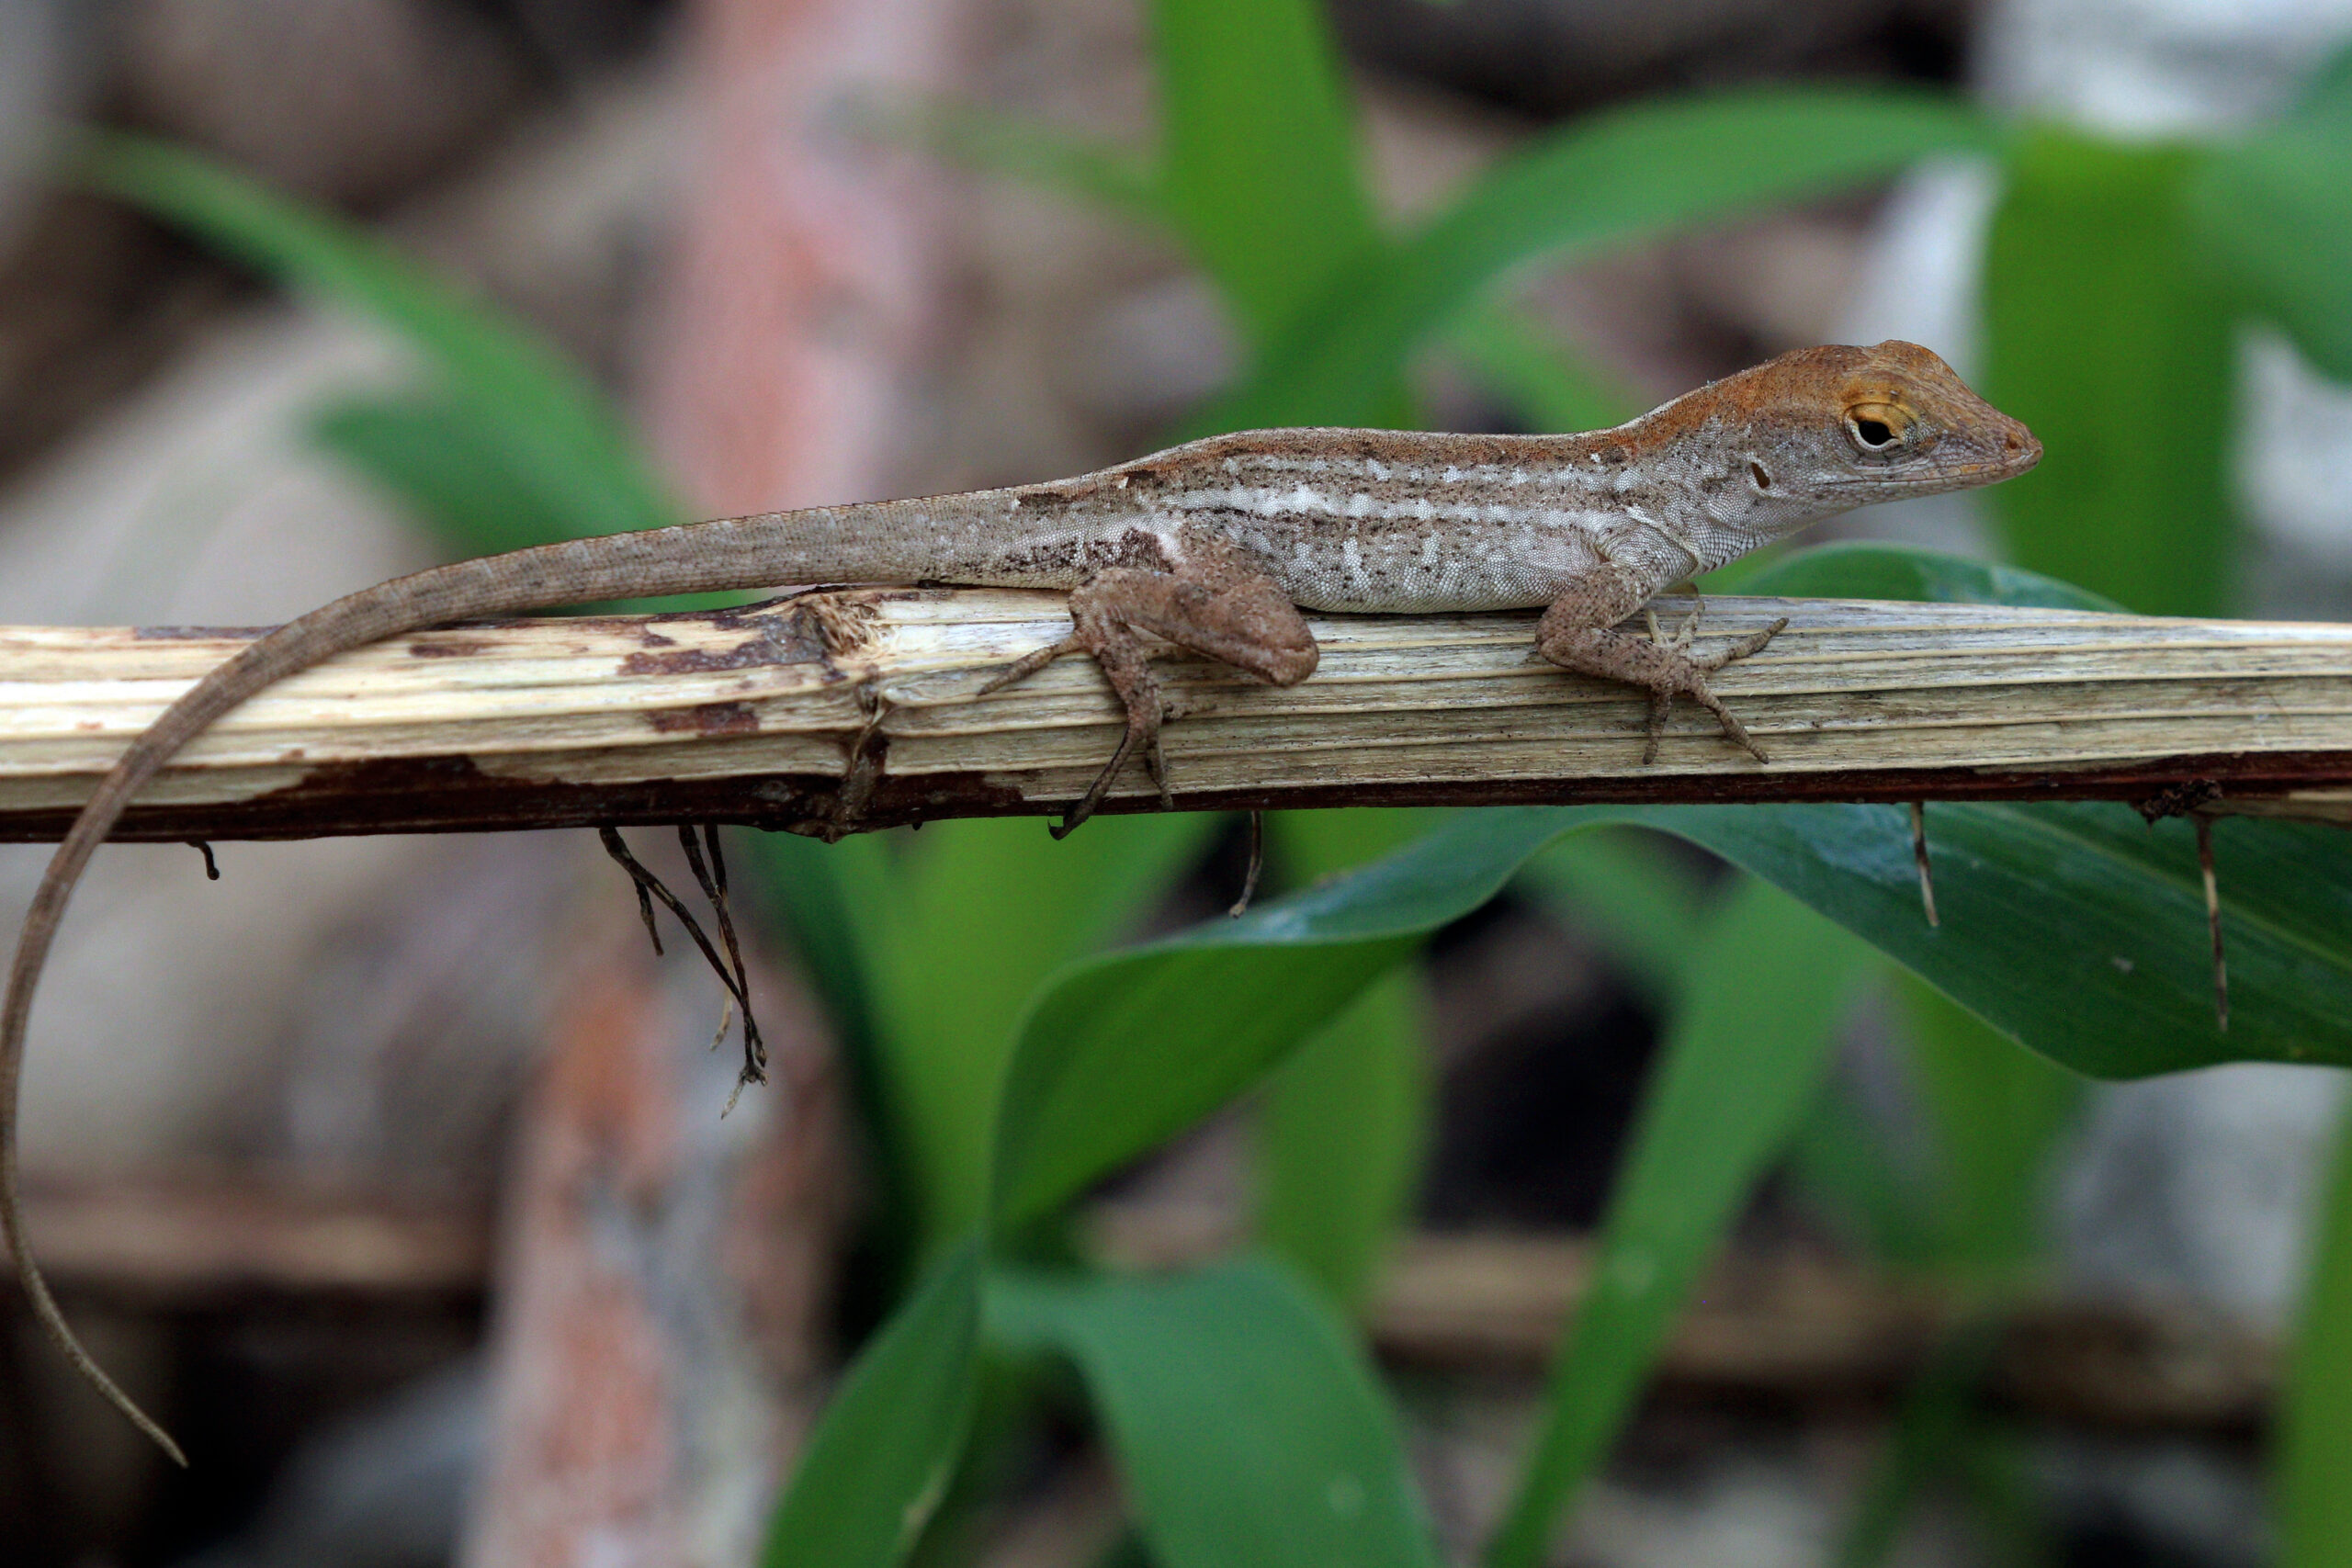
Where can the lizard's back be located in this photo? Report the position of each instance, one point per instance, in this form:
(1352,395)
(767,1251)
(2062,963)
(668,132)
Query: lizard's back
(1345,520)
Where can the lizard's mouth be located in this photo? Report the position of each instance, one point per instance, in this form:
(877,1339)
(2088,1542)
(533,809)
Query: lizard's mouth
(2018,454)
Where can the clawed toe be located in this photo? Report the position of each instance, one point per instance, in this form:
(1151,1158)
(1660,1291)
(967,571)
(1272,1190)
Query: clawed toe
(1142,729)
(1734,731)
(1028,664)
(1690,681)
(1653,732)
(1662,708)
(1753,643)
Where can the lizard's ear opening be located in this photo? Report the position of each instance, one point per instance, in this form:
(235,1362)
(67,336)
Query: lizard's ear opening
(1878,426)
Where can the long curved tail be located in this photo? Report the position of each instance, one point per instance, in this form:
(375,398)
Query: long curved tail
(692,558)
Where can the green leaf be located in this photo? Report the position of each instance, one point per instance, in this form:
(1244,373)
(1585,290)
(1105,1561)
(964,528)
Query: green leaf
(1344,1121)
(1551,384)
(1258,151)
(443,465)
(554,435)
(1878,1206)
(1934,1425)
(1249,1432)
(1767,985)
(1900,571)
(882,1455)
(2075,928)
(980,913)
(1996,1111)
(2314,1464)
(429,455)
(2071,927)
(1121,1051)
(2105,337)
(1341,1134)
(2273,216)
(1602,181)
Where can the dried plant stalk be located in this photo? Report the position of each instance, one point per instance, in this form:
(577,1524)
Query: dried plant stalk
(836,711)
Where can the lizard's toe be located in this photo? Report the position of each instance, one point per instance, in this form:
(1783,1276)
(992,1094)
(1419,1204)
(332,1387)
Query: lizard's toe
(1753,643)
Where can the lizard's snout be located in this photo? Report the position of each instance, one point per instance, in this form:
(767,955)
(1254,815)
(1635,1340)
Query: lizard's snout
(2019,449)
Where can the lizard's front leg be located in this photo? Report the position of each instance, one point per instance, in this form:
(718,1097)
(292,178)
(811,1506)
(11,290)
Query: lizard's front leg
(1218,607)
(1578,633)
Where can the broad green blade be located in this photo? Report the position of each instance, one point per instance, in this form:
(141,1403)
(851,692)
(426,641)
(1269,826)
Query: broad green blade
(881,1456)
(1258,151)
(1249,1432)
(1995,1111)
(469,480)
(1341,1134)
(2272,215)
(982,912)
(1552,387)
(2075,929)
(2078,929)
(1768,982)
(1897,572)
(2107,339)
(444,466)
(1121,1051)
(1601,182)
(1344,1121)
(2314,1463)
(2273,218)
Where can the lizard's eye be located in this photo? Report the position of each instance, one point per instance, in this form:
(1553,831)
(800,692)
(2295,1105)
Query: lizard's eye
(1876,427)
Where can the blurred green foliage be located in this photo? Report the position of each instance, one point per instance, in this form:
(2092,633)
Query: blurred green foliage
(1006,1057)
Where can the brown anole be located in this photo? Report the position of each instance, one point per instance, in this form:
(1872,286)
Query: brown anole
(1215,546)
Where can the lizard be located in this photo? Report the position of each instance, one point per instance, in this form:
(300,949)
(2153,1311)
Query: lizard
(1215,547)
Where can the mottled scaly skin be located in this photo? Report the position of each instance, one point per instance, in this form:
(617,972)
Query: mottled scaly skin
(1213,545)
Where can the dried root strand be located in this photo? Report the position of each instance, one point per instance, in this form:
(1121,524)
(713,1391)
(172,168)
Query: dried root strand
(733,975)
(2213,919)
(1919,853)
(1257,864)
(640,879)
(712,874)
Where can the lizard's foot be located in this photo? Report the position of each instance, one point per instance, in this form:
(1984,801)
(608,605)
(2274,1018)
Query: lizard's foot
(1228,613)
(1119,652)
(1660,668)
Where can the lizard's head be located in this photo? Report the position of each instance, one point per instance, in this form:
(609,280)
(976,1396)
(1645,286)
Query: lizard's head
(1824,430)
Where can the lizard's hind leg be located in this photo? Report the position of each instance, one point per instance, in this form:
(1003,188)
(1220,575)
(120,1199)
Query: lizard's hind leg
(1216,608)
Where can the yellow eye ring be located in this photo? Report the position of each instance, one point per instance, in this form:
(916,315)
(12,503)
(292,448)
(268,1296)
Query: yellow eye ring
(1878,427)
